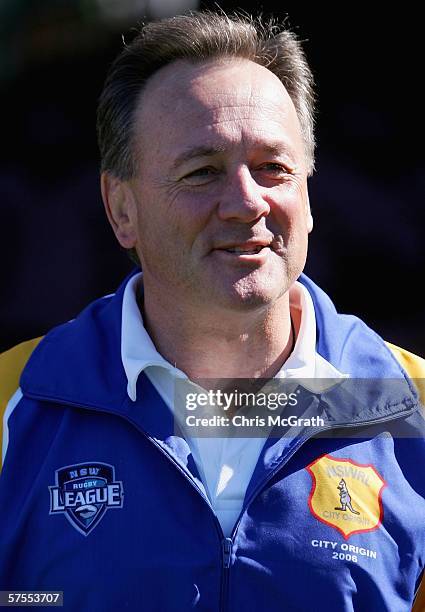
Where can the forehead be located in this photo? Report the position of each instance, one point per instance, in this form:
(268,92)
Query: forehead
(232,100)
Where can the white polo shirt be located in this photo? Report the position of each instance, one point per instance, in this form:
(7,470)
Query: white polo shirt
(225,464)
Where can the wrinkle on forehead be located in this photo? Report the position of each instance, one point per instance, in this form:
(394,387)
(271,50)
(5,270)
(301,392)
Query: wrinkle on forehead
(212,85)
(223,107)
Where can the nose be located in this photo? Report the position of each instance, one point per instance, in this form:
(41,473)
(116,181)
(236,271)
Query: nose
(242,198)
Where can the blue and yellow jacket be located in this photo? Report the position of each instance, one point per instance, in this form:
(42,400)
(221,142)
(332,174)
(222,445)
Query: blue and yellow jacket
(99,497)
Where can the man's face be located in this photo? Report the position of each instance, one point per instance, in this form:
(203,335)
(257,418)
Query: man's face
(221,202)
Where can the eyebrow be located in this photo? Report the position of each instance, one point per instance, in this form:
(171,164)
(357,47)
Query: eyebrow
(201,151)
(273,148)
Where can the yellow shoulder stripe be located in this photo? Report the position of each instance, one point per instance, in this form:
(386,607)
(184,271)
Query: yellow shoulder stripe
(419,605)
(415,368)
(413,365)
(12,362)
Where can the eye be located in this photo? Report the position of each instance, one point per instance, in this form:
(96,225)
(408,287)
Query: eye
(200,176)
(273,170)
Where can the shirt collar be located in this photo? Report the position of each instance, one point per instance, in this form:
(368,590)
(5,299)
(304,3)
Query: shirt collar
(138,351)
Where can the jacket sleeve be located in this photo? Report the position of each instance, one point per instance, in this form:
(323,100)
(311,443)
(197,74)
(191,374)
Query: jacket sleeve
(12,362)
(415,368)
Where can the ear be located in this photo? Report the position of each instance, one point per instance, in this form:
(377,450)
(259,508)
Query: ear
(308,213)
(120,209)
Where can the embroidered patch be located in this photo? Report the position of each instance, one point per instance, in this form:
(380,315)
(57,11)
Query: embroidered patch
(84,492)
(346,495)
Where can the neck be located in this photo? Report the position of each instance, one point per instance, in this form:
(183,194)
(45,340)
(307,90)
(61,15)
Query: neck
(213,345)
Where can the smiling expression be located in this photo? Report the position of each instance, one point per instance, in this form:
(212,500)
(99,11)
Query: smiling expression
(220,197)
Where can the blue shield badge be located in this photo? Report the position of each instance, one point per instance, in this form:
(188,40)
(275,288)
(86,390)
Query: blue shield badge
(84,492)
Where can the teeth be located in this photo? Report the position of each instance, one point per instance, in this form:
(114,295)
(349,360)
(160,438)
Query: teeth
(245,251)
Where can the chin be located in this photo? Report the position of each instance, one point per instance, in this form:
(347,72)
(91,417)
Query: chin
(245,297)
(256,290)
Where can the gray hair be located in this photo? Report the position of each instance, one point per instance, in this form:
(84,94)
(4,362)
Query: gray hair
(197,37)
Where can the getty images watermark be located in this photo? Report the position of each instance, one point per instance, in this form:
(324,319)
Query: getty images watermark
(290,407)
(216,412)
(298,407)
(240,399)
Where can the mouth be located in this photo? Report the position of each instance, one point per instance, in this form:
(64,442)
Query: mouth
(246,255)
(248,249)
(245,250)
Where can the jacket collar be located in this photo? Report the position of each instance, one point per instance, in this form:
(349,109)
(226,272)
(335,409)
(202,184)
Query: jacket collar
(79,363)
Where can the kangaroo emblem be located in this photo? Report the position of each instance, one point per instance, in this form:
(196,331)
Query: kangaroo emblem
(345,498)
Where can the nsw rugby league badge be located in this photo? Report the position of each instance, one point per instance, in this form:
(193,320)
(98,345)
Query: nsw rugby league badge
(84,492)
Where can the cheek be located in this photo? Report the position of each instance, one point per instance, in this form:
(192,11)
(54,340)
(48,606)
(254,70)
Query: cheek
(188,216)
(167,228)
(291,210)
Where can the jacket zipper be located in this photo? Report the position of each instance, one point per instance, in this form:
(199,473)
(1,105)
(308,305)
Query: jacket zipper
(226,543)
(227,546)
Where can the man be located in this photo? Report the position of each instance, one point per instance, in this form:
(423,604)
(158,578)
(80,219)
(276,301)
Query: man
(205,131)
